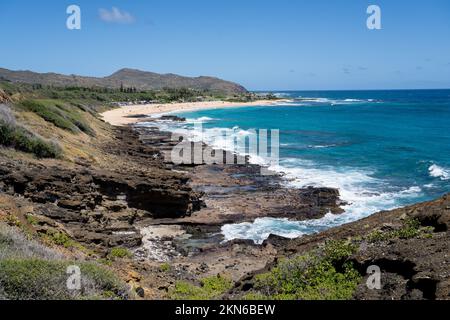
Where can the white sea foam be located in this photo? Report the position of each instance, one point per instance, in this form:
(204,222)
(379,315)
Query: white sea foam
(319,100)
(282,95)
(359,189)
(333,102)
(439,172)
(364,194)
(311,102)
(262,228)
(290,103)
(199,120)
(322,146)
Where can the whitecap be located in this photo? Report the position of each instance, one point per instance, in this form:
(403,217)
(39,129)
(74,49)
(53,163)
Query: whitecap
(358,188)
(439,172)
(353,100)
(322,146)
(199,120)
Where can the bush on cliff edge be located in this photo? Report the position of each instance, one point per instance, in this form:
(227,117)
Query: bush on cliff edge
(37,279)
(322,274)
(12,135)
(22,140)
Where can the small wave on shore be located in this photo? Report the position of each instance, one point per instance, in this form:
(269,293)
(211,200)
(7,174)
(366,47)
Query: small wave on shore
(295,101)
(262,228)
(363,194)
(199,120)
(439,172)
(311,102)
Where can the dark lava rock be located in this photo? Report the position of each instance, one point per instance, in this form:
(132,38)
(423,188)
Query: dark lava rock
(172,118)
(414,268)
(276,240)
(140,292)
(137,116)
(99,206)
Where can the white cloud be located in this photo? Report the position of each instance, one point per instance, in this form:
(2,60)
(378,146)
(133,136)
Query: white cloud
(115,15)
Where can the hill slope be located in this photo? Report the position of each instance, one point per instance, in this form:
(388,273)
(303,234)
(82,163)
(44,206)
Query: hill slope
(141,80)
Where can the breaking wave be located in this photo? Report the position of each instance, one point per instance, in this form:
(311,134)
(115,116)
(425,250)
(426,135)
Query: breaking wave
(439,172)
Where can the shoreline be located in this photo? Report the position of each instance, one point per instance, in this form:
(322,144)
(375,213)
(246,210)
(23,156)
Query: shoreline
(124,115)
(298,205)
(134,114)
(169,223)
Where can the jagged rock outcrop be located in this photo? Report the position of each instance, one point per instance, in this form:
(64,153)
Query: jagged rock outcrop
(413,266)
(100,206)
(416,268)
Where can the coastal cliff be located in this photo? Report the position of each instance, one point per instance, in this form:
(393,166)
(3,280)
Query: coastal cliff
(108,200)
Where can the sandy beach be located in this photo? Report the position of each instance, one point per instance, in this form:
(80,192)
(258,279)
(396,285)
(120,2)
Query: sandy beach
(122,115)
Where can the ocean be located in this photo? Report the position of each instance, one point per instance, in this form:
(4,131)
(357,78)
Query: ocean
(381,149)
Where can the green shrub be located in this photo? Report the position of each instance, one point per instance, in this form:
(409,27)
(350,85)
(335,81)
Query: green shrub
(378,236)
(323,274)
(75,117)
(22,140)
(119,253)
(165,267)
(411,228)
(336,252)
(59,238)
(62,116)
(32,219)
(211,288)
(49,113)
(62,239)
(36,279)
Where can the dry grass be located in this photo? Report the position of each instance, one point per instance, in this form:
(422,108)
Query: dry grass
(14,244)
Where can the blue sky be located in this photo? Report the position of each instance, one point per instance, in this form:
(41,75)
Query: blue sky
(264,45)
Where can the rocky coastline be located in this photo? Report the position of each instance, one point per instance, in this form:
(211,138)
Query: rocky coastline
(171,215)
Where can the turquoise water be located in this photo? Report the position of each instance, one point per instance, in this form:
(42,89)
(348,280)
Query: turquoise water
(382,149)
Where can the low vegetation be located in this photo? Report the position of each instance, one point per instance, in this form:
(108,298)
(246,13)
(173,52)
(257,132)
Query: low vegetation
(93,98)
(322,274)
(67,108)
(14,243)
(58,238)
(210,288)
(38,279)
(165,267)
(55,112)
(119,253)
(19,138)
(30,270)
(411,228)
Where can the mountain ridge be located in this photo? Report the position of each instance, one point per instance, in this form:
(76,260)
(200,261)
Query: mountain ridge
(127,77)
